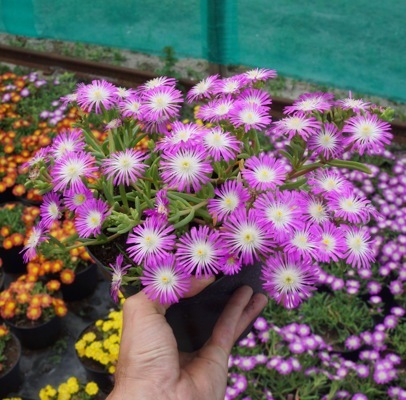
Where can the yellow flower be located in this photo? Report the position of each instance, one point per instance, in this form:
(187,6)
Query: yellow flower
(89,337)
(73,385)
(63,388)
(64,396)
(99,322)
(43,395)
(91,389)
(104,359)
(112,369)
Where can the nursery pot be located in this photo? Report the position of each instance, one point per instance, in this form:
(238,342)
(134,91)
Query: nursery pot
(13,262)
(10,380)
(84,284)
(37,336)
(96,372)
(7,196)
(1,279)
(192,320)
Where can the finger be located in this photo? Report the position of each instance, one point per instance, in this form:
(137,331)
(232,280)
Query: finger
(225,329)
(197,285)
(251,312)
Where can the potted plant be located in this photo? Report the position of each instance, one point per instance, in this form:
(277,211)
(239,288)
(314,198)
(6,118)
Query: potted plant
(211,199)
(16,221)
(1,275)
(33,311)
(97,348)
(74,269)
(10,353)
(73,389)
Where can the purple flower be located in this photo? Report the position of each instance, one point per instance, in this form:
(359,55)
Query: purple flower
(284,367)
(324,181)
(255,96)
(251,116)
(264,172)
(216,110)
(308,102)
(165,280)
(199,251)
(353,343)
(161,102)
(260,74)
(179,135)
(298,123)
(36,236)
(349,103)
(90,217)
(157,82)
(151,240)
(185,169)
(68,141)
(203,89)
(221,145)
(327,141)
(77,196)
(246,235)
(96,95)
(131,106)
(282,210)
(125,166)
(230,264)
(161,209)
(232,195)
(289,278)
(332,243)
(70,169)
(359,253)
(304,240)
(368,132)
(230,85)
(50,209)
(118,271)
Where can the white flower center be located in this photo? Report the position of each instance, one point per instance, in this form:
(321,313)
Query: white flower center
(356,244)
(329,184)
(125,162)
(98,94)
(301,241)
(349,205)
(329,242)
(160,102)
(186,166)
(202,252)
(264,175)
(230,202)
(230,87)
(278,215)
(33,239)
(202,87)
(93,220)
(150,241)
(249,117)
(79,199)
(222,109)
(53,210)
(327,141)
(295,123)
(287,279)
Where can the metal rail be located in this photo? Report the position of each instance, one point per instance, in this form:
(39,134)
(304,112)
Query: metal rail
(51,62)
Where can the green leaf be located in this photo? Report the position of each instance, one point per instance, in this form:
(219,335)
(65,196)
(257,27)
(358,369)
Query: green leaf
(350,165)
(186,220)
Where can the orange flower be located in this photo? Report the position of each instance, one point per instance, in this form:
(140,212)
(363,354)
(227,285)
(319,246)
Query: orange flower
(35,300)
(7,243)
(46,300)
(32,278)
(17,239)
(5,231)
(3,187)
(3,330)
(9,309)
(33,268)
(19,190)
(61,310)
(57,266)
(8,148)
(46,267)
(34,313)
(23,298)
(67,276)
(53,285)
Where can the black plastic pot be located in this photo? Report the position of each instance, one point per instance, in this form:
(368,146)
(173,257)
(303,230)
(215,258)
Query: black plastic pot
(193,319)
(84,284)
(11,379)
(7,196)
(39,336)
(103,378)
(1,279)
(13,262)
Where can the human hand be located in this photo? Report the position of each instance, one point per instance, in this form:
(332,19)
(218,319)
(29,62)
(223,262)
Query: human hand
(149,364)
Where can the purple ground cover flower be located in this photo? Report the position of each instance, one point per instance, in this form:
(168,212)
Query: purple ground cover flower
(289,278)
(298,123)
(96,95)
(125,167)
(118,271)
(165,280)
(311,102)
(66,142)
(50,209)
(90,217)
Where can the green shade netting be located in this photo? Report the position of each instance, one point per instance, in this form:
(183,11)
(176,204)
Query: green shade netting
(353,44)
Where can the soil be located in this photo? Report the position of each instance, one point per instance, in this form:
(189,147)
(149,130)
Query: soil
(23,322)
(108,252)
(12,353)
